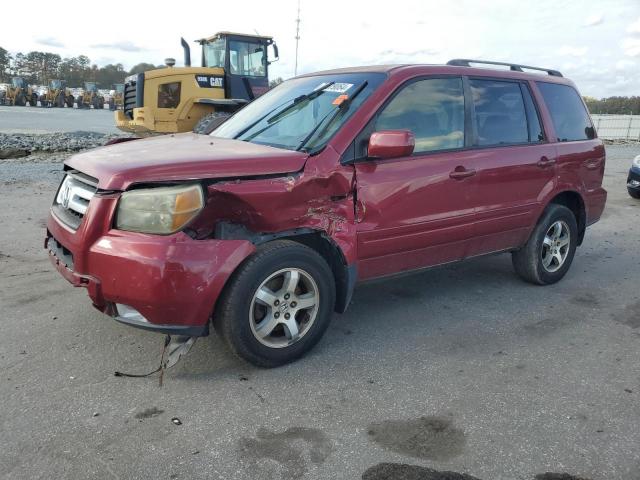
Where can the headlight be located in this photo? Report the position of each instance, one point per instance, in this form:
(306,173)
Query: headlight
(161,210)
(636,162)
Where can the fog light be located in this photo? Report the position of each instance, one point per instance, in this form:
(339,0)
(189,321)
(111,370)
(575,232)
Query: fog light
(634,183)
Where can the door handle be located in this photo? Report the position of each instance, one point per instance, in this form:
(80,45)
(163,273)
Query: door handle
(545,162)
(460,172)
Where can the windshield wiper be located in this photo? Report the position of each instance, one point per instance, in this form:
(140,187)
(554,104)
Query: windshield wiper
(332,113)
(296,101)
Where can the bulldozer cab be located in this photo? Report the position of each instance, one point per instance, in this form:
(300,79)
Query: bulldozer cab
(90,87)
(244,59)
(18,82)
(57,84)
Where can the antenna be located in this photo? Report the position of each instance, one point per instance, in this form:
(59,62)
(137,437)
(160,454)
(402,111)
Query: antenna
(297,37)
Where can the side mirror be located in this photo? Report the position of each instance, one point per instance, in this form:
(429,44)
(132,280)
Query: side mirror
(391,144)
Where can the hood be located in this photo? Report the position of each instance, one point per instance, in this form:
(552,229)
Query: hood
(186,156)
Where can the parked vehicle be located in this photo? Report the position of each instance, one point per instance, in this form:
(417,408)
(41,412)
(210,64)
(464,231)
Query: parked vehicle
(234,70)
(264,228)
(116,97)
(90,96)
(19,93)
(57,95)
(633,180)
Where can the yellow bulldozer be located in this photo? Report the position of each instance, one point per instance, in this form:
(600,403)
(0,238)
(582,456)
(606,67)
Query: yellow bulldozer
(57,95)
(233,71)
(19,93)
(90,97)
(117,97)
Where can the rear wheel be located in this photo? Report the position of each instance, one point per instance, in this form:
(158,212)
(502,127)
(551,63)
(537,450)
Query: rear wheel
(277,304)
(547,255)
(634,193)
(209,123)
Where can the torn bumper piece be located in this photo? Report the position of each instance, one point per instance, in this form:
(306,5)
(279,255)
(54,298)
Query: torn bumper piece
(167,284)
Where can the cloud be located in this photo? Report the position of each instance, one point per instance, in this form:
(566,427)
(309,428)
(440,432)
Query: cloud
(124,46)
(631,47)
(634,28)
(50,42)
(573,51)
(593,20)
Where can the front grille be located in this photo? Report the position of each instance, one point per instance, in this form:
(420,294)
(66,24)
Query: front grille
(129,98)
(73,197)
(133,94)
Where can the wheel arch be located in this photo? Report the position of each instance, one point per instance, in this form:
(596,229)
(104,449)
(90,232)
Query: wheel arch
(344,275)
(574,202)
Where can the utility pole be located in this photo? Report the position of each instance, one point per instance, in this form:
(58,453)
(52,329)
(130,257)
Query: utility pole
(295,70)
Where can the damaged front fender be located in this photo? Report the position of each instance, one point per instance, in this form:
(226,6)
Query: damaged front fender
(318,201)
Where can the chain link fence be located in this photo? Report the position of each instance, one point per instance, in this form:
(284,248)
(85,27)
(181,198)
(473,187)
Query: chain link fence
(618,129)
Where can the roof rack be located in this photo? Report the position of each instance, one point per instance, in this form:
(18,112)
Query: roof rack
(464,62)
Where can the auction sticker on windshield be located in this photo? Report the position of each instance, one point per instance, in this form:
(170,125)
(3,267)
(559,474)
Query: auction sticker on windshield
(336,87)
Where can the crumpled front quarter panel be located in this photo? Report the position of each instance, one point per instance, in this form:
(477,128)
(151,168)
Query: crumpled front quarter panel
(320,198)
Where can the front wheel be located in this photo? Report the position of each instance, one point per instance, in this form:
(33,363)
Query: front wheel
(547,255)
(633,193)
(277,304)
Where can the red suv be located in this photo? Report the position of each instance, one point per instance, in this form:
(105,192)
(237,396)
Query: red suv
(263,228)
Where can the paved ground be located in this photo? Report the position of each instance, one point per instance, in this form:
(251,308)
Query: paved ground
(465,369)
(46,120)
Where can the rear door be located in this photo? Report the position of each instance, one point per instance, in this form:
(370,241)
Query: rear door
(415,211)
(581,156)
(516,166)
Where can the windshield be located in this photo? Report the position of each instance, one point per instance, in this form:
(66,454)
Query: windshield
(303,113)
(17,82)
(56,84)
(214,53)
(90,86)
(119,87)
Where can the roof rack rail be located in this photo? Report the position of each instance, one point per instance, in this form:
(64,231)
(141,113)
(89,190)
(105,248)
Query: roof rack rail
(464,62)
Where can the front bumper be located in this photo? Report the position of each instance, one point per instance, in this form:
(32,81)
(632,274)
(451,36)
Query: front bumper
(633,179)
(166,284)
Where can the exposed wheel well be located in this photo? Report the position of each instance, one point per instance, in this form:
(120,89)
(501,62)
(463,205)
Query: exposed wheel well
(573,201)
(343,275)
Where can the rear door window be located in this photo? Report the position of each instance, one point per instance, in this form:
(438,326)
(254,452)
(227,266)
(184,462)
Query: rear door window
(500,114)
(433,109)
(569,116)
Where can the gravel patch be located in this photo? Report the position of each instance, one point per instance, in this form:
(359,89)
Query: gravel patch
(12,144)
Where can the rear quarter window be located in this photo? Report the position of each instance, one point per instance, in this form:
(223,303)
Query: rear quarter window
(570,118)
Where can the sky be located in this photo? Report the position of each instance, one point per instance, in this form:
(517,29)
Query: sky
(595,43)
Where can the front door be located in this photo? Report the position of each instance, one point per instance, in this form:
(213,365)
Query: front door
(415,211)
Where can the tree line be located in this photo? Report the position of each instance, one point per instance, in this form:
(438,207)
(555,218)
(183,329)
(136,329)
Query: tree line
(614,105)
(37,68)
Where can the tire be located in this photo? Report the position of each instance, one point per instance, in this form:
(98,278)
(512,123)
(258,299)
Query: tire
(529,261)
(237,309)
(112,104)
(60,100)
(209,123)
(33,101)
(69,101)
(20,100)
(633,193)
